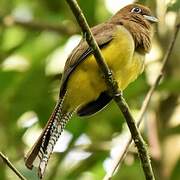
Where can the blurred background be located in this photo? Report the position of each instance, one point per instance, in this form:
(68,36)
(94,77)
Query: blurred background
(35,39)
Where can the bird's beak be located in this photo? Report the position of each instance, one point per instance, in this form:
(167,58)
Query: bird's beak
(152,19)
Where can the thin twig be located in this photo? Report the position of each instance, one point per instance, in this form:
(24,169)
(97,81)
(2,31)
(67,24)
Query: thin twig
(11,166)
(113,89)
(145,104)
(37,25)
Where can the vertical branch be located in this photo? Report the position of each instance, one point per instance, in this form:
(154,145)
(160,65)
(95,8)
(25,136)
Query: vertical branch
(145,103)
(113,89)
(11,166)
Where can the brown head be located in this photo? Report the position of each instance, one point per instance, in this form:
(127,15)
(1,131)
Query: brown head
(138,20)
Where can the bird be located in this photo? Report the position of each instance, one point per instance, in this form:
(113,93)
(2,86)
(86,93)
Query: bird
(124,40)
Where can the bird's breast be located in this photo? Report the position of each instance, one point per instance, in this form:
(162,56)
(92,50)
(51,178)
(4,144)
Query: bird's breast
(121,57)
(86,82)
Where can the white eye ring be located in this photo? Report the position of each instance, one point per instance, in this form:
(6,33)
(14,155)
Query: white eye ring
(136,10)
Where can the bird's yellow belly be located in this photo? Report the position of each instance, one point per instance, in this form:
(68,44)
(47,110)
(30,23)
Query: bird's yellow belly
(86,82)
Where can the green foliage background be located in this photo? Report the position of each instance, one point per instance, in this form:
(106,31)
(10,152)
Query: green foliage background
(30,88)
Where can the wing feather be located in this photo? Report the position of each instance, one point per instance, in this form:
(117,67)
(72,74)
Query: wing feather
(103,34)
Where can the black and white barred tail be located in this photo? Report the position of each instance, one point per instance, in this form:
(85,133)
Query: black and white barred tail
(44,146)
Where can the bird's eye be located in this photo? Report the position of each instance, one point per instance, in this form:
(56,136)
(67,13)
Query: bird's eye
(136,10)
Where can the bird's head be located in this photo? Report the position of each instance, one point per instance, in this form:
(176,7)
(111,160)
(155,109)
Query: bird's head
(138,20)
(135,13)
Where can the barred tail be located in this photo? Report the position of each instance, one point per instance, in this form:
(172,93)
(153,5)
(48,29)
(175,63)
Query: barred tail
(44,146)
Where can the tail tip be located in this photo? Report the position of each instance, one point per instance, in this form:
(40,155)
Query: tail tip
(41,169)
(27,163)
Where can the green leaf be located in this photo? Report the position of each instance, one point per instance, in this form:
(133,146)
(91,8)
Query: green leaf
(12,37)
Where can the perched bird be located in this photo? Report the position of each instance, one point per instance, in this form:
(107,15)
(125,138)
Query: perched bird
(124,40)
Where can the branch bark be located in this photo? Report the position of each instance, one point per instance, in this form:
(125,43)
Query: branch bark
(11,166)
(113,89)
(145,104)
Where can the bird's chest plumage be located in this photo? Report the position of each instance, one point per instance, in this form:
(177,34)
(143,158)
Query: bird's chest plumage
(125,63)
(86,82)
